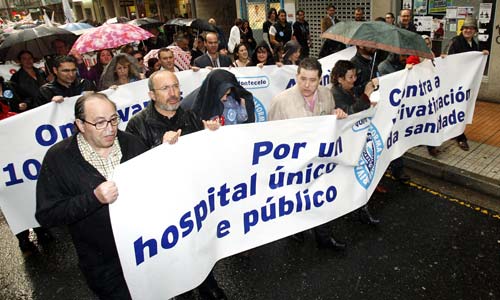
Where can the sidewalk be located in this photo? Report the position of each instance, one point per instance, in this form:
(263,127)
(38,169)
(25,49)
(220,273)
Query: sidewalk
(478,168)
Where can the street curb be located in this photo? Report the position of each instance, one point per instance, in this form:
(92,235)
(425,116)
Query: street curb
(449,173)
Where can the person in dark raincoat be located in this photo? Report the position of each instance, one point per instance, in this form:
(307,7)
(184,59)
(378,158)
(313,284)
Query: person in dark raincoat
(207,101)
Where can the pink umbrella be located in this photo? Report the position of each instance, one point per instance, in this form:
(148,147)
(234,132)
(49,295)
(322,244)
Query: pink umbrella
(182,58)
(109,36)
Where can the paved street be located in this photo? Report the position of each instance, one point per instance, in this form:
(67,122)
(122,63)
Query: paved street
(427,247)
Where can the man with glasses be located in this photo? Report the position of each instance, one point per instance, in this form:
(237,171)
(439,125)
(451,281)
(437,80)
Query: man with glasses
(66,83)
(163,121)
(74,189)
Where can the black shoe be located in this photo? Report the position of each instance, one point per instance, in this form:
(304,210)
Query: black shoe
(27,247)
(433,151)
(366,217)
(212,293)
(43,236)
(331,243)
(403,177)
(298,237)
(463,145)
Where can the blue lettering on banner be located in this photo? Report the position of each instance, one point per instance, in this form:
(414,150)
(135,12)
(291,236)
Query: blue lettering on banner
(254,82)
(125,114)
(260,110)
(30,169)
(361,124)
(193,220)
(365,170)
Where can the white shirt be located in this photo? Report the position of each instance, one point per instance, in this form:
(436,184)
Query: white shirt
(234,38)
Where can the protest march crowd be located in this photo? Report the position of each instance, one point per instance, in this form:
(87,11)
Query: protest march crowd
(74,186)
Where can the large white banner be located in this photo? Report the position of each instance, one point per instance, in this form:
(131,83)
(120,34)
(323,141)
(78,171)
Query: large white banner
(214,194)
(244,186)
(26,137)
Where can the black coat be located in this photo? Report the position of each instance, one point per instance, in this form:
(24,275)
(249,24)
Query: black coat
(363,72)
(150,126)
(54,88)
(205,61)
(459,44)
(205,100)
(26,86)
(65,196)
(348,102)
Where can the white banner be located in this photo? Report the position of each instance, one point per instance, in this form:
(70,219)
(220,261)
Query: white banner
(31,133)
(244,186)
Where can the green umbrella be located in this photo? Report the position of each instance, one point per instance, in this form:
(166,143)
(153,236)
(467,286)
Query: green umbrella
(379,35)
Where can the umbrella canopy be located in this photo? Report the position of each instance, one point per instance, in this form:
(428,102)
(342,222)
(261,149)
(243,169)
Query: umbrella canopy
(77,28)
(199,24)
(379,35)
(38,40)
(146,22)
(110,36)
(182,59)
(116,20)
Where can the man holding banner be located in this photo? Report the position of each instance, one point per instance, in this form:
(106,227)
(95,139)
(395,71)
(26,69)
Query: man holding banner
(163,121)
(74,189)
(306,99)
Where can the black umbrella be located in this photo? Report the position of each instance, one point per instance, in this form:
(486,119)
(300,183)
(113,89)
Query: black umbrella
(146,22)
(37,40)
(199,24)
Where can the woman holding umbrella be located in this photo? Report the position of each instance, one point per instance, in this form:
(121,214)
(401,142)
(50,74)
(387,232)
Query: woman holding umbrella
(27,81)
(122,69)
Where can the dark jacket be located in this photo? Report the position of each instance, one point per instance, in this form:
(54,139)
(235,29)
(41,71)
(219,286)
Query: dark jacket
(390,65)
(54,88)
(283,32)
(150,126)
(458,44)
(363,72)
(348,102)
(205,100)
(65,196)
(302,34)
(26,86)
(411,27)
(205,61)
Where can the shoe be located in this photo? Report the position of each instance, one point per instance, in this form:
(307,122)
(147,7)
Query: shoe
(366,217)
(214,293)
(43,236)
(380,189)
(28,248)
(434,152)
(298,237)
(463,145)
(332,244)
(403,177)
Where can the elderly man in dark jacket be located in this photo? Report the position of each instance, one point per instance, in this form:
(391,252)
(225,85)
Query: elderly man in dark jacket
(163,121)
(464,43)
(74,189)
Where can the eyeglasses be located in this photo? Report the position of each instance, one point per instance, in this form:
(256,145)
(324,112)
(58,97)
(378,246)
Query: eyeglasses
(168,87)
(114,121)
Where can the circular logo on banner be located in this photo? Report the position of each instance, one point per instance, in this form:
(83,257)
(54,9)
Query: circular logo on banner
(365,170)
(260,110)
